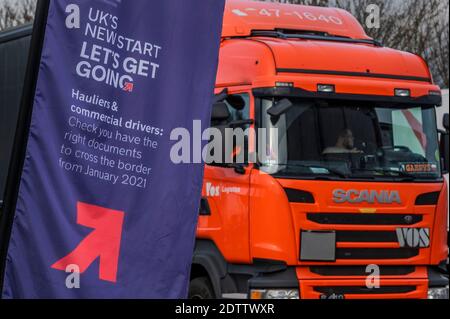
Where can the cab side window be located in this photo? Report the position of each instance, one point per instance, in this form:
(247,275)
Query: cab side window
(239,109)
(239,114)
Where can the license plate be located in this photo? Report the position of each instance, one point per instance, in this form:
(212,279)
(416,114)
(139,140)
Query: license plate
(317,246)
(332,296)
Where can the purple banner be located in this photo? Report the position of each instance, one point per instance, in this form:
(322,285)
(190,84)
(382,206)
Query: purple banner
(102,210)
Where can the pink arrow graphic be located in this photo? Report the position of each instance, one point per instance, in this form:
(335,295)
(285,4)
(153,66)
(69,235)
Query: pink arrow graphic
(103,242)
(128,87)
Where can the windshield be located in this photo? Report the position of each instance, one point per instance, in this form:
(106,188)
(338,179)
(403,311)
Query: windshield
(352,140)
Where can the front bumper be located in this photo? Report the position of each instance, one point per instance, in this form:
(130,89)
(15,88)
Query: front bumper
(349,283)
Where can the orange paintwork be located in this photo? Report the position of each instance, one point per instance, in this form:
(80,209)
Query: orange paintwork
(418,278)
(255,62)
(322,192)
(420,292)
(241,17)
(228,225)
(258,221)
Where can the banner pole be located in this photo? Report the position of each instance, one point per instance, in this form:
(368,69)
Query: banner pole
(21,134)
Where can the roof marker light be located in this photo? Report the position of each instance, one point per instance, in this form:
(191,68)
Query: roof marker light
(284,84)
(326,88)
(403,92)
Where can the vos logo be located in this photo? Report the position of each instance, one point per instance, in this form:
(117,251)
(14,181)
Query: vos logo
(212,191)
(413,237)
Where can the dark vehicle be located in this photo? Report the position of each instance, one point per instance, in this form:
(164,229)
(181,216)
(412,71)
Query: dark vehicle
(14,47)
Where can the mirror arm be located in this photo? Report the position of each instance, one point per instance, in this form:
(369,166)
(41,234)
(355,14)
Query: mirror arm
(221,96)
(274,120)
(238,168)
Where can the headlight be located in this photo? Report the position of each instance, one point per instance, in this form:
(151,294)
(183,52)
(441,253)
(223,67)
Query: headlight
(274,294)
(438,293)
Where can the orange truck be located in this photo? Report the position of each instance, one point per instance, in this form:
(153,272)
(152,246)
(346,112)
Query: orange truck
(353,205)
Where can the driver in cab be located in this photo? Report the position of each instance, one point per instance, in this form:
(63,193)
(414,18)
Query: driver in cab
(345,144)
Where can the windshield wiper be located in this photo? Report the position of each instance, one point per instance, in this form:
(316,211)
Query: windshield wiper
(386,172)
(312,167)
(399,173)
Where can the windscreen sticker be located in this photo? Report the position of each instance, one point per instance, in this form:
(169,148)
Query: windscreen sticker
(419,168)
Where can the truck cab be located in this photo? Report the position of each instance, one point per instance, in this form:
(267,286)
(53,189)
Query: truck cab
(349,200)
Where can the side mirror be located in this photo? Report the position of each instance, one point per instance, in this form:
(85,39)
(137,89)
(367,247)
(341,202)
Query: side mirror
(236,101)
(220,112)
(445,122)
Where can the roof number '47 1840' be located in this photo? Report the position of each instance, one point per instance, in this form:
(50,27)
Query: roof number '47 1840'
(278,13)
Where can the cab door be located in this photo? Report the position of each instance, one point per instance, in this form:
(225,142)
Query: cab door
(224,215)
